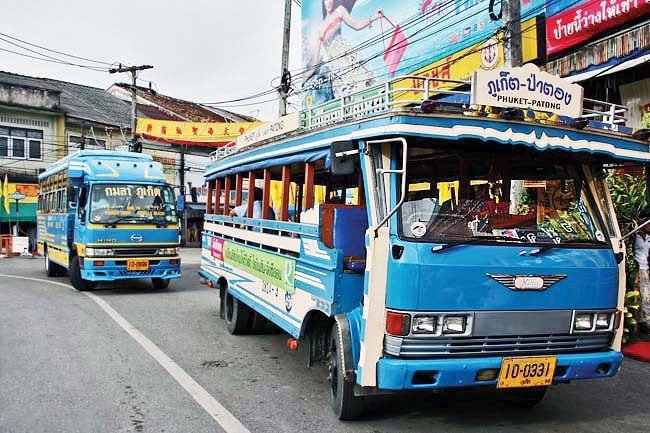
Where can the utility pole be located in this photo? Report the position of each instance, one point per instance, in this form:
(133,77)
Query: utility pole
(512,56)
(133,70)
(182,192)
(285,81)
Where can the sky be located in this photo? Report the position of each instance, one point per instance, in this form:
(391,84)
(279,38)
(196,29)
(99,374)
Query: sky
(201,50)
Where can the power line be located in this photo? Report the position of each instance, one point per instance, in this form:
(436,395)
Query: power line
(54,51)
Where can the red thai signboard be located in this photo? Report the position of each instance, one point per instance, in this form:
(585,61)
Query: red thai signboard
(584,21)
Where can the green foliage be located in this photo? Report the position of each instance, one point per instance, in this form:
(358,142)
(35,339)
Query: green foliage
(630,200)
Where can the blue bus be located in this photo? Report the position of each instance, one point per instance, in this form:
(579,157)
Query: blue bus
(476,250)
(108,216)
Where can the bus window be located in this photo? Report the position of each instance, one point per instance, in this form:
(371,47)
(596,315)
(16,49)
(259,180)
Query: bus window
(540,200)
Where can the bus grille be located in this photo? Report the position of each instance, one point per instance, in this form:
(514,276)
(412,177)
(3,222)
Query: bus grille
(494,346)
(137,273)
(135,252)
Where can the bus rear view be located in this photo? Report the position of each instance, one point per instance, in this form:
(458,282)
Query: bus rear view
(107,216)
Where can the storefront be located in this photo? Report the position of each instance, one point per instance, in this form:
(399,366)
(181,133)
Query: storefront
(613,68)
(20,219)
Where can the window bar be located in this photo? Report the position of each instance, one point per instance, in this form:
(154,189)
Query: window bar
(208,202)
(251,193)
(267,193)
(226,199)
(309,186)
(286,183)
(239,180)
(217,195)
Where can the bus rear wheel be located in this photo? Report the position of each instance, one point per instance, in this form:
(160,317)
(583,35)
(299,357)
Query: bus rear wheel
(237,315)
(75,277)
(160,283)
(346,405)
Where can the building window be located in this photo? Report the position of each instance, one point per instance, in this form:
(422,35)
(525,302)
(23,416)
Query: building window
(21,143)
(4,147)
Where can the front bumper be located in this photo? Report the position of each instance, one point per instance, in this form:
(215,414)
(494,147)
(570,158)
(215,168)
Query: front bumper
(398,374)
(112,269)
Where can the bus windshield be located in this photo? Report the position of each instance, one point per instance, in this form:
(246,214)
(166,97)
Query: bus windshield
(512,196)
(132,204)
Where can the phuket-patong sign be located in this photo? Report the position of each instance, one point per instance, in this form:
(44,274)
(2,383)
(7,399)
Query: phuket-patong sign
(527,87)
(268,130)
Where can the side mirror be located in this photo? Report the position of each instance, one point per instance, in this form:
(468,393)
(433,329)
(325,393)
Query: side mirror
(73,196)
(343,157)
(81,205)
(180,203)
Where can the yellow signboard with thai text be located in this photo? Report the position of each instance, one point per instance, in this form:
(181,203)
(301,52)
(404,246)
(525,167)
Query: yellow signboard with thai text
(193,133)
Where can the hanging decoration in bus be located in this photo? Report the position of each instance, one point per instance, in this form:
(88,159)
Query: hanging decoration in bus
(193,133)
(527,87)
(349,45)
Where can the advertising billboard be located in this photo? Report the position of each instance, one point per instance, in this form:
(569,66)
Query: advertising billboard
(571,22)
(352,44)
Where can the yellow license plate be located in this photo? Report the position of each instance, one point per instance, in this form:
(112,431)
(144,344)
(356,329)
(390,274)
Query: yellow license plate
(137,265)
(524,372)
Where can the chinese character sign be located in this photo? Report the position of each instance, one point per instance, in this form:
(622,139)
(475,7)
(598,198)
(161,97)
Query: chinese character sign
(199,134)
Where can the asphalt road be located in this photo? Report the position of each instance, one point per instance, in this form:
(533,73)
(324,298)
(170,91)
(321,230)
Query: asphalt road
(164,362)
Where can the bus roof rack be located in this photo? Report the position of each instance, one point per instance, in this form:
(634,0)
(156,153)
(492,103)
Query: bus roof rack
(407,94)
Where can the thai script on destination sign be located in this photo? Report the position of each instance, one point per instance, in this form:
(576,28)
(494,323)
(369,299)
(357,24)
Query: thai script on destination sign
(527,87)
(533,84)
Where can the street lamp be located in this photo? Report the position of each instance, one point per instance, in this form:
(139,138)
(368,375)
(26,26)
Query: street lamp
(17,196)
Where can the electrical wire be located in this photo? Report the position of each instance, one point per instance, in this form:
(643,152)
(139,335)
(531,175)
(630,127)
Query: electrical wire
(55,51)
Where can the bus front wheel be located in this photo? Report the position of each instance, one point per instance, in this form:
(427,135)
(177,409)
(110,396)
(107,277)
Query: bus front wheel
(346,405)
(51,268)
(238,315)
(160,283)
(75,277)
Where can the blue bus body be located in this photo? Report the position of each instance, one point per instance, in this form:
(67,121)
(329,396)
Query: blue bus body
(99,219)
(416,305)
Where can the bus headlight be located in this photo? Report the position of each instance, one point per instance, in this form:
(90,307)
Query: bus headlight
(99,252)
(583,322)
(424,324)
(602,320)
(168,251)
(454,324)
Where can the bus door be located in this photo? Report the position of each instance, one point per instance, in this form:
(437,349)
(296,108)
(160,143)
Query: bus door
(383,164)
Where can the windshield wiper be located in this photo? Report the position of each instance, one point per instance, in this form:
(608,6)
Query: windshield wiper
(122,218)
(540,250)
(474,240)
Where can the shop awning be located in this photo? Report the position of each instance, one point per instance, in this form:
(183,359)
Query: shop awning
(611,67)
(26,213)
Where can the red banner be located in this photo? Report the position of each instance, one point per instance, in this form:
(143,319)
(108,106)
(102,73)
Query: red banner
(584,21)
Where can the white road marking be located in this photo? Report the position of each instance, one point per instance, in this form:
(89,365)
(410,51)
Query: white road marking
(221,415)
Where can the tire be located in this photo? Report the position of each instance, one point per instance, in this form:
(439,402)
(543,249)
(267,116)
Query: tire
(75,277)
(525,398)
(222,303)
(238,315)
(52,269)
(258,323)
(160,283)
(346,405)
